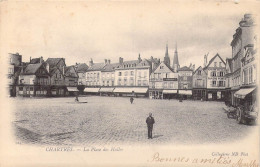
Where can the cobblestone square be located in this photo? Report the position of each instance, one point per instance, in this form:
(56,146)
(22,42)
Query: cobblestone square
(110,120)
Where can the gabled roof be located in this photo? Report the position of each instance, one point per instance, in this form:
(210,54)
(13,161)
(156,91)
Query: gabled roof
(185,68)
(96,67)
(67,72)
(211,60)
(110,67)
(53,70)
(31,69)
(198,69)
(160,65)
(54,61)
(229,62)
(81,67)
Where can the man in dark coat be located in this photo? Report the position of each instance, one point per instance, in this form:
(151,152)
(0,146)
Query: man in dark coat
(131,100)
(150,122)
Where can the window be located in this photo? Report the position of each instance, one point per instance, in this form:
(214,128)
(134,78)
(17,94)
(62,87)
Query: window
(119,81)
(171,85)
(161,67)
(215,64)
(107,83)
(214,73)
(139,82)
(126,73)
(145,83)
(112,83)
(145,74)
(165,84)
(132,73)
(20,88)
(220,64)
(221,73)
(221,83)
(120,74)
(199,72)
(213,83)
(185,78)
(103,83)
(125,81)
(159,76)
(131,81)
(250,75)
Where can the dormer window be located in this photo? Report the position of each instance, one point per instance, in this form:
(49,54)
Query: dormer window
(199,72)
(161,67)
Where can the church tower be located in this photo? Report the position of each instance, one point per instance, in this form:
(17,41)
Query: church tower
(166,57)
(176,64)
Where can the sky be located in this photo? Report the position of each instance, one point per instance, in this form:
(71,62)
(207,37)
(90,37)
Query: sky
(98,30)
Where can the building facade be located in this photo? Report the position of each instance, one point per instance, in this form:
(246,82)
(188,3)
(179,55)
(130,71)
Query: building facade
(199,84)
(216,78)
(14,69)
(34,80)
(185,82)
(242,37)
(163,82)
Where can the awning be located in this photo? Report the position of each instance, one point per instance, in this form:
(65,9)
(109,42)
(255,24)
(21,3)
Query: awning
(130,90)
(243,92)
(170,91)
(92,90)
(106,89)
(185,92)
(72,89)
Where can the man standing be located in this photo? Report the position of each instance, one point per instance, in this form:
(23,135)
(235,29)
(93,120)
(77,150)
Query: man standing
(150,122)
(131,100)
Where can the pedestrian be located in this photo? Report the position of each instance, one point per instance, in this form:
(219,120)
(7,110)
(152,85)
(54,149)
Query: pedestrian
(131,100)
(150,122)
(76,99)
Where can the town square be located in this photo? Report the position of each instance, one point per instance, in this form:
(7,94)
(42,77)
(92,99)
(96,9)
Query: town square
(162,94)
(114,120)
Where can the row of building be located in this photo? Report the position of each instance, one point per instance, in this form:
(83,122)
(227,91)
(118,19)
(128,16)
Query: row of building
(241,69)
(215,80)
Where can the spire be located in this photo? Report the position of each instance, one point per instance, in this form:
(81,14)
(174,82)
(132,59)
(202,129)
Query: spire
(166,57)
(176,64)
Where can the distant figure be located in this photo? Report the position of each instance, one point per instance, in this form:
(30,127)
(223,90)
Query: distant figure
(131,100)
(76,99)
(150,122)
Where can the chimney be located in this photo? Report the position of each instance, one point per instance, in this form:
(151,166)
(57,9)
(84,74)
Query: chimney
(190,66)
(108,61)
(48,67)
(193,67)
(121,60)
(30,59)
(41,59)
(205,60)
(105,61)
(90,62)
(139,58)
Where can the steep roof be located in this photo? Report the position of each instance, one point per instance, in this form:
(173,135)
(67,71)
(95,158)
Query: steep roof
(67,72)
(31,69)
(54,61)
(185,68)
(211,60)
(110,67)
(164,64)
(81,67)
(96,67)
(53,70)
(198,69)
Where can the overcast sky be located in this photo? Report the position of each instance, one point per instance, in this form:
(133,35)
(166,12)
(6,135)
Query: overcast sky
(80,31)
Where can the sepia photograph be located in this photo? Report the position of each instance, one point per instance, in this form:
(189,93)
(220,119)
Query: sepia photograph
(127,83)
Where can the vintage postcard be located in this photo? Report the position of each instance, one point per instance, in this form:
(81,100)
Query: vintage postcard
(129,83)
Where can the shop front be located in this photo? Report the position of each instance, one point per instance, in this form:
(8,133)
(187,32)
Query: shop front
(216,94)
(91,91)
(185,94)
(199,94)
(106,91)
(156,93)
(131,91)
(169,94)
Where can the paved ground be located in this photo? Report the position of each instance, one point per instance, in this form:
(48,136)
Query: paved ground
(110,120)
